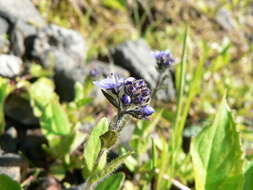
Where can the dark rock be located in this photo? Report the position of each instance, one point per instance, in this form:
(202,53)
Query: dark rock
(65,51)
(20,110)
(10,66)
(8,141)
(11,165)
(22,10)
(136,57)
(30,143)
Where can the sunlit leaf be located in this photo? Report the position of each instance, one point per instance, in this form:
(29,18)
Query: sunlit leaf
(113,182)
(217,154)
(4,91)
(93,145)
(6,183)
(248,175)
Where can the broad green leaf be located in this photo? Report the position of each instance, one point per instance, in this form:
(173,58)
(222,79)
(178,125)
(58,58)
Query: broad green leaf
(248,175)
(41,93)
(93,145)
(52,116)
(109,168)
(113,182)
(4,91)
(217,154)
(6,183)
(55,120)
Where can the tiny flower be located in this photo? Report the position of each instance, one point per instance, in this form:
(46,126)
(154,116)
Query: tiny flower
(142,112)
(126,100)
(164,59)
(94,72)
(112,82)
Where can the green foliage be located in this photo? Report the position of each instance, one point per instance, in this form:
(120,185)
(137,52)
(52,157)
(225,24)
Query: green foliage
(115,4)
(4,91)
(109,168)
(113,182)
(53,118)
(217,155)
(6,183)
(248,176)
(93,145)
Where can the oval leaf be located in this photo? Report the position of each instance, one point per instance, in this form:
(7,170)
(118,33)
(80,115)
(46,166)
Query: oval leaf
(6,183)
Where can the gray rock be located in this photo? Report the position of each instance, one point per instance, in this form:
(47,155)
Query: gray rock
(19,36)
(11,164)
(4,26)
(65,51)
(10,66)
(22,10)
(136,57)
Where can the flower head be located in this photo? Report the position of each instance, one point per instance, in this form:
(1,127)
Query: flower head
(164,59)
(129,95)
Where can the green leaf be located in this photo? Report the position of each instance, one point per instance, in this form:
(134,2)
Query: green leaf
(55,120)
(109,168)
(115,4)
(41,93)
(248,175)
(46,106)
(4,91)
(113,182)
(6,183)
(93,145)
(217,154)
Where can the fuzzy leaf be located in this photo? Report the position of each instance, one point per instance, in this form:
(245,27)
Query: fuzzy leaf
(109,168)
(113,182)
(93,145)
(6,183)
(217,154)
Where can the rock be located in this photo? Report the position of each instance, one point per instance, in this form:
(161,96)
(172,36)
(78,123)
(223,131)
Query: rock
(4,26)
(22,10)
(136,57)
(20,110)
(4,43)
(11,165)
(98,68)
(65,51)
(10,66)
(8,140)
(224,18)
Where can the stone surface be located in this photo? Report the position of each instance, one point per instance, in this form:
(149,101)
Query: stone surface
(23,10)
(136,57)
(8,140)
(10,66)
(65,51)
(4,26)
(19,109)
(11,164)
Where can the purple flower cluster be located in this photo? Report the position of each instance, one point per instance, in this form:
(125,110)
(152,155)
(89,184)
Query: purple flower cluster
(129,95)
(164,59)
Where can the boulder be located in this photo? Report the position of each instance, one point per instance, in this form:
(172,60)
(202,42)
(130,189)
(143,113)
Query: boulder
(22,10)
(136,57)
(11,165)
(10,66)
